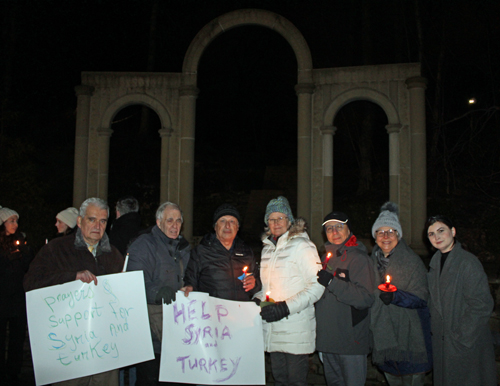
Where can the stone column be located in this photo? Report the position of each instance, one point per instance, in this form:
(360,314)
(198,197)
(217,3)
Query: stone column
(328,132)
(304,92)
(188,95)
(165,135)
(417,85)
(104,134)
(394,165)
(83,94)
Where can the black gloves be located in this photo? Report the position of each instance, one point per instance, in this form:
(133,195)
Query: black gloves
(342,274)
(324,277)
(274,312)
(256,301)
(387,297)
(167,294)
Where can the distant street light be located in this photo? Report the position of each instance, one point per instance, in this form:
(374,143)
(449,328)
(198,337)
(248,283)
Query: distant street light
(472,101)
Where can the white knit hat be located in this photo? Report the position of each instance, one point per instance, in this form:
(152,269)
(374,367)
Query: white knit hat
(5,213)
(68,216)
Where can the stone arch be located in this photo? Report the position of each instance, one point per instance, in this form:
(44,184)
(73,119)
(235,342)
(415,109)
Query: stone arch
(136,99)
(361,94)
(304,89)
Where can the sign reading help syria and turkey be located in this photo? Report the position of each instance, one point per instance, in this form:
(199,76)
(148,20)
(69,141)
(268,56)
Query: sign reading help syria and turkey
(211,341)
(78,329)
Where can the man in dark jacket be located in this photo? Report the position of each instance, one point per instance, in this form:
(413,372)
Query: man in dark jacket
(127,224)
(342,313)
(217,263)
(83,255)
(162,254)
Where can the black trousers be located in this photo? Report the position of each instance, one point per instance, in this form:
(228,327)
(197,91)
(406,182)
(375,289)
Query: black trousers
(289,369)
(11,367)
(149,372)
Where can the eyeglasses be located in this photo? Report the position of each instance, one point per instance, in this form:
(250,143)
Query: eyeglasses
(390,233)
(279,220)
(337,227)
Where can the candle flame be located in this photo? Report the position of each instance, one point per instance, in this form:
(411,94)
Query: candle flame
(328,255)
(268,293)
(388,279)
(245,269)
(17,242)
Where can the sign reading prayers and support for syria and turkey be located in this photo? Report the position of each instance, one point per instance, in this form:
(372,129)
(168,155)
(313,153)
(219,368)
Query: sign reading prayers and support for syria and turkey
(211,341)
(78,329)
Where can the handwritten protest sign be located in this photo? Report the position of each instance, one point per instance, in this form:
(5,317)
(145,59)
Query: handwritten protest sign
(211,341)
(78,329)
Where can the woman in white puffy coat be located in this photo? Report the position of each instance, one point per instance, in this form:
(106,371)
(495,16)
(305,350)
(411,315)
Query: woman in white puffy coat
(289,267)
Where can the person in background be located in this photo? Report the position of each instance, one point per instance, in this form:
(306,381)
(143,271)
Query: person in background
(342,313)
(15,257)
(460,305)
(127,224)
(66,221)
(83,255)
(289,266)
(162,255)
(400,320)
(219,259)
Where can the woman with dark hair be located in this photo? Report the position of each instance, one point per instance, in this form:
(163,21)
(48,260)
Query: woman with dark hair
(460,305)
(15,257)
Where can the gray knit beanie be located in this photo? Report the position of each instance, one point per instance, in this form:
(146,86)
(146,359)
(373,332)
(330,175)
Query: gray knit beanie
(68,216)
(5,213)
(388,217)
(226,210)
(280,205)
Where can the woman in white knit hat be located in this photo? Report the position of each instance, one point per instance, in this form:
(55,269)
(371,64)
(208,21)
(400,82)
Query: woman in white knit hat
(66,221)
(15,257)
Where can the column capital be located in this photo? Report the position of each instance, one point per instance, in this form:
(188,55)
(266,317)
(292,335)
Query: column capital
(166,132)
(304,88)
(325,130)
(393,128)
(416,82)
(83,89)
(192,91)
(104,132)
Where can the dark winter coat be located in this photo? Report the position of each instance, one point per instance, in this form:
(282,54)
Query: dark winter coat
(163,261)
(401,330)
(14,263)
(60,260)
(124,229)
(342,313)
(461,306)
(215,270)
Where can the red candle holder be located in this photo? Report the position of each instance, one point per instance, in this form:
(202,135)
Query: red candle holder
(387,286)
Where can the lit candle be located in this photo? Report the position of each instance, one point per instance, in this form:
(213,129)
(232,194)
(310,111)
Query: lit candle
(387,281)
(267,295)
(245,271)
(17,243)
(328,256)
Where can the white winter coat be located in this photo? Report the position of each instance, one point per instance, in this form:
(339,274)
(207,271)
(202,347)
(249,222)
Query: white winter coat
(289,270)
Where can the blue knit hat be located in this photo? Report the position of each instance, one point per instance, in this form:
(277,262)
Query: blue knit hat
(280,205)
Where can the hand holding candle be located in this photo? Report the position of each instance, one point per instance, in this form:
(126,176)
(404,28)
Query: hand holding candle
(387,286)
(328,256)
(268,300)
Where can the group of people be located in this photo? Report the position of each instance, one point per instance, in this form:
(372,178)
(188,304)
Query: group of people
(346,304)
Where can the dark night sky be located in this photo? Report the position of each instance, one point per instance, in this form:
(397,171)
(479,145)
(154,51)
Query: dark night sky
(246,110)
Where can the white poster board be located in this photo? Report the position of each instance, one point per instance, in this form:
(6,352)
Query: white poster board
(211,341)
(78,329)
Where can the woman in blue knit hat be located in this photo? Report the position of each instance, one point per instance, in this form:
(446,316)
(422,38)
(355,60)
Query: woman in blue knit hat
(289,265)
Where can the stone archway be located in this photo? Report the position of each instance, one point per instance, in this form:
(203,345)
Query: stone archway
(398,89)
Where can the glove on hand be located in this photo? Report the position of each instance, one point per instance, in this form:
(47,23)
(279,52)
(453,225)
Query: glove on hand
(274,312)
(387,297)
(167,294)
(324,277)
(342,274)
